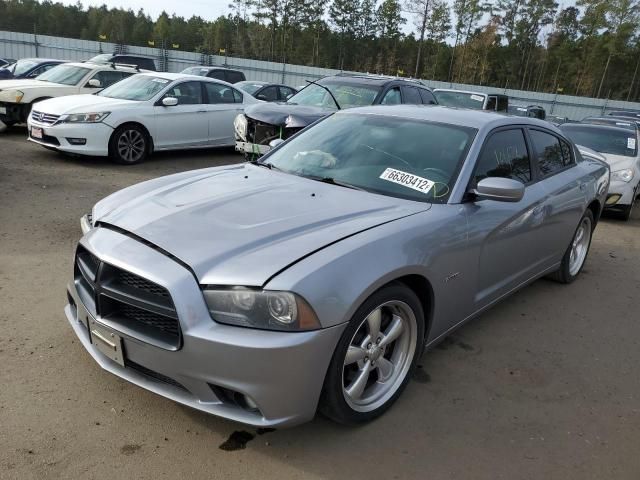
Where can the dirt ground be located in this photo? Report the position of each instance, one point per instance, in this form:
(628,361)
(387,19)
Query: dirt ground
(543,386)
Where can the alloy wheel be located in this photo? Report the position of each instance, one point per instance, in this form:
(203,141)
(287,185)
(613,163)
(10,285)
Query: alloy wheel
(580,246)
(131,145)
(379,356)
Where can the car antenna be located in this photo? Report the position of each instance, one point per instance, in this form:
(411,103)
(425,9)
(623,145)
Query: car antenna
(328,91)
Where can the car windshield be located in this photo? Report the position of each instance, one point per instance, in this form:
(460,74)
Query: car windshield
(23,66)
(614,122)
(199,71)
(250,87)
(459,99)
(348,95)
(136,87)
(64,74)
(398,157)
(102,58)
(614,141)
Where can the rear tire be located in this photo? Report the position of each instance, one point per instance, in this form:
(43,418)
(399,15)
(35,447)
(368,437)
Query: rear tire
(129,145)
(375,356)
(577,251)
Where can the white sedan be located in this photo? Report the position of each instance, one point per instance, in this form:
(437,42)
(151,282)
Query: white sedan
(141,114)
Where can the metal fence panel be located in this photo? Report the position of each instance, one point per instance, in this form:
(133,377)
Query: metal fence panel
(22,45)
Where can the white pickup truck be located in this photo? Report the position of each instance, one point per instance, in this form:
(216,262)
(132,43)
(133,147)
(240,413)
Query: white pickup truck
(17,96)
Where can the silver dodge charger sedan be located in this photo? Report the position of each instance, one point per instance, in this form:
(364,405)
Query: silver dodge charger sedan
(314,278)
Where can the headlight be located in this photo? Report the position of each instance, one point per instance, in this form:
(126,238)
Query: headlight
(264,309)
(86,223)
(94,117)
(625,175)
(240,126)
(12,96)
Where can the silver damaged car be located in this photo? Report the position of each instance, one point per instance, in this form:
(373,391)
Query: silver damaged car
(314,278)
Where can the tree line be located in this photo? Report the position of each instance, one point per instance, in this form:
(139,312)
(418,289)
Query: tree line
(590,49)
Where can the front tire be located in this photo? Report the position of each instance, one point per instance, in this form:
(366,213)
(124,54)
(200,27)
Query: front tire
(577,251)
(375,356)
(128,145)
(626,213)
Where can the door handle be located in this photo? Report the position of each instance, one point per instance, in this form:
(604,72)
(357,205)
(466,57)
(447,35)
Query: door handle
(201,111)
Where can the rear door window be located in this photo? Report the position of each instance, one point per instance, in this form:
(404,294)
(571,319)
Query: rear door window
(549,154)
(268,94)
(505,155)
(218,93)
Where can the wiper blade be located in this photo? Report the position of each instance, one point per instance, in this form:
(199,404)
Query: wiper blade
(268,165)
(333,181)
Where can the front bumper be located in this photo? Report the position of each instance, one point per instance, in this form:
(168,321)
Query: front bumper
(12,112)
(622,189)
(251,148)
(281,372)
(57,136)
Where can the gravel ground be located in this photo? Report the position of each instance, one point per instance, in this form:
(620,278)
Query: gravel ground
(543,386)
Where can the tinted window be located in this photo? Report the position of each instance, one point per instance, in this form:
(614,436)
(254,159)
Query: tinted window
(187,93)
(234,77)
(218,74)
(411,95)
(504,155)
(237,96)
(269,94)
(567,159)
(427,97)
(218,93)
(491,103)
(548,151)
(503,104)
(392,97)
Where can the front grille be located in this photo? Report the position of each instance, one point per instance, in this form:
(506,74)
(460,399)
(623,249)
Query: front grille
(263,133)
(132,304)
(42,117)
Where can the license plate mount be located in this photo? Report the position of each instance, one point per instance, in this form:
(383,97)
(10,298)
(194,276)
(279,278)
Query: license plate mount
(36,132)
(109,343)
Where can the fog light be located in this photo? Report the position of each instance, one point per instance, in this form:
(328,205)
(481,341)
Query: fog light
(77,141)
(613,199)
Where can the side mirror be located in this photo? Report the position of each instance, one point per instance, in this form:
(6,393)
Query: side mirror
(262,96)
(275,142)
(499,189)
(95,83)
(288,96)
(169,101)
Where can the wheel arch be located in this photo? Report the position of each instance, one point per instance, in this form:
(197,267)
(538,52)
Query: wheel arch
(137,124)
(596,210)
(421,286)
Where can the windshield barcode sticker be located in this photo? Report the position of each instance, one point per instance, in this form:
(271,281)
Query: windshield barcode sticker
(631,143)
(407,179)
(477,98)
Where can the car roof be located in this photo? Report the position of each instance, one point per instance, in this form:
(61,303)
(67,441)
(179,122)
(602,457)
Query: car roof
(43,60)
(378,80)
(213,67)
(182,76)
(106,66)
(465,117)
(595,126)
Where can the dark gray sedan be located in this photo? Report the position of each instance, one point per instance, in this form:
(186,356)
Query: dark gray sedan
(315,277)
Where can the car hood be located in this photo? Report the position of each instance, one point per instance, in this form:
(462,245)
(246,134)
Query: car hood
(286,114)
(242,224)
(618,162)
(81,104)
(22,84)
